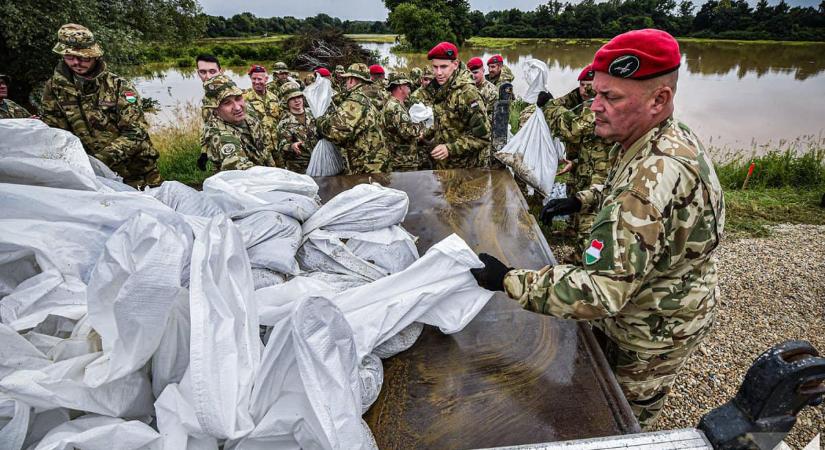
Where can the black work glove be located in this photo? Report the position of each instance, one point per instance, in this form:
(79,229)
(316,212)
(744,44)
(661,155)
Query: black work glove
(202,161)
(544,97)
(491,276)
(559,207)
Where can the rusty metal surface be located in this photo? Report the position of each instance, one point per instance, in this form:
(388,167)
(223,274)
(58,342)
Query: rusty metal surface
(509,378)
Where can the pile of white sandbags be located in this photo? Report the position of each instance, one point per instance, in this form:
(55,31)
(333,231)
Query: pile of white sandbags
(138,316)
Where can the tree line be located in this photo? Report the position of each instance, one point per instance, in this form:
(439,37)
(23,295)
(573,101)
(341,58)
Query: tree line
(247,24)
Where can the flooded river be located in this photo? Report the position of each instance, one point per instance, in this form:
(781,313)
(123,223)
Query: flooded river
(735,96)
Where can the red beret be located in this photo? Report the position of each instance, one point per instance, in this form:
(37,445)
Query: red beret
(375,69)
(323,71)
(587,73)
(495,59)
(444,50)
(475,63)
(256,69)
(639,55)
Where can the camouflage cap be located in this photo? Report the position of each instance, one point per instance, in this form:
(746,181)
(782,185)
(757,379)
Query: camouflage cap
(415,73)
(218,88)
(358,70)
(428,73)
(290,90)
(280,67)
(76,40)
(339,69)
(398,79)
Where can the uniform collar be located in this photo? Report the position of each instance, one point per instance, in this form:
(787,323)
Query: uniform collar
(641,143)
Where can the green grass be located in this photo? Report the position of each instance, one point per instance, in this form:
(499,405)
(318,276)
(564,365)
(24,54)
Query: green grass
(178,143)
(751,212)
(381,38)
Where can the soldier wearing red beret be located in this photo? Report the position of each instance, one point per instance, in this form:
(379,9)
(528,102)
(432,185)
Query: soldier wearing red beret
(648,279)
(488,90)
(498,72)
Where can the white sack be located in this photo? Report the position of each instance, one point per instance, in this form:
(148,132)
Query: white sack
(17,353)
(297,206)
(275,302)
(325,160)
(371,376)
(44,422)
(264,278)
(101,433)
(131,291)
(225,345)
(319,96)
(271,240)
(532,154)
(171,359)
(177,422)
(392,249)
(14,423)
(324,251)
(244,184)
(365,207)
(537,74)
(184,199)
(421,113)
(438,290)
(400,342)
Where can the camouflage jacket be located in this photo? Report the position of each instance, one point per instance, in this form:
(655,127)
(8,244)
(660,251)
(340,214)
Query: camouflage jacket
(267,108)
(421,95)
(592,154)
(11,110)
(648,277)
(402,136)
(460,122)
(354,127)
(378,94)
(505,76)
(236,147)
(292,129)
(489,92)
(274,87)
(105,112)
(569,101)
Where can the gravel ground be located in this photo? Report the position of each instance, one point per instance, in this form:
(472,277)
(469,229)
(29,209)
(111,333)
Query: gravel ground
(773,290)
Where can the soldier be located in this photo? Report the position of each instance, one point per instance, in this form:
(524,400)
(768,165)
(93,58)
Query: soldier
(401,133)
(461,131)
(296,130)
(9,109)
(649,279)
(281,72)
(415,77)
(207,66)
(99,107)
(231,138)
(498,72)
(266,105)
(488,90)
(338,80)
(355,125)
(376,91)
(378,75)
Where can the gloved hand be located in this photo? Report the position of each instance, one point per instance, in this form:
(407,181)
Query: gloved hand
(491,276)
(202,162)
(559,207)
(543,98)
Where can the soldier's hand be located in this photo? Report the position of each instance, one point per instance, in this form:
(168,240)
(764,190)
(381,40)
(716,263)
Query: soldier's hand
(202,161)
(296,147)
(559,207)
(440,152)
(543,98)
(491,276)
(568,166)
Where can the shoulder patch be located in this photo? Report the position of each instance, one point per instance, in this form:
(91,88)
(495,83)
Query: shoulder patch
(227,149)
(130,96)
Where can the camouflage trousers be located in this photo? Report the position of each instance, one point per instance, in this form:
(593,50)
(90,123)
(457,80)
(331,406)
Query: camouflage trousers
(645,378)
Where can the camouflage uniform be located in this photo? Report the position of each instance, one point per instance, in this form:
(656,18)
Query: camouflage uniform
(649,278)
(401,133)
(460,121)
(489,92)
(11,110)
(592,155)
(293,128)
(102,109)
(355,126)
(233,146)
(377,93)
(505,76)
(267,108)
(274,85)
(415,78)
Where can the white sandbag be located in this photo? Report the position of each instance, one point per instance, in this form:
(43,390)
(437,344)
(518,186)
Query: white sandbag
(184,199)
(263,278)
(103,171)
(325,160)
(18,353)
(400,342)
(537,74)
(60,385)
(365,207)
(178,423)
(371,376)
(324,251)
(274,302)
(225,345)
(93,432)
(438,290)
(392,248)
(319,96)
(42,423)
(171,359)
(14,423)
(420,113)
(297,206)
(244,184)
(271,240)
(532,154)
(131,292)
(337,282)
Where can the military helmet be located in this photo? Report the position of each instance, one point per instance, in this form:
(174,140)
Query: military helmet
(290,90)
(339,69)
(358,70)
(415,73)
(428,73)
(398,79)
(280,67)
(76,40)
(218,88)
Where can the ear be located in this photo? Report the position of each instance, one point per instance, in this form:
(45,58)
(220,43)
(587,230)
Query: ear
(661,97)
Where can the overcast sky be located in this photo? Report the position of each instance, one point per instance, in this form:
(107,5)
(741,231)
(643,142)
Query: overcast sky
(365,9)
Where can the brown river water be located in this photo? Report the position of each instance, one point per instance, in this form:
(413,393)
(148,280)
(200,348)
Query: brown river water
(735,96)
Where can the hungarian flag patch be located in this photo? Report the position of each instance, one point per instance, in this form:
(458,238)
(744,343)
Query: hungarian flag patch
(130,96)
(594,252)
